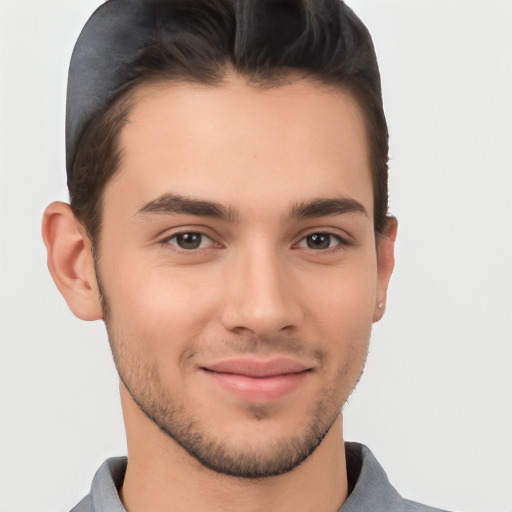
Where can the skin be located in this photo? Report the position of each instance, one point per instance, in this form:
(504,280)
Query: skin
(257,287)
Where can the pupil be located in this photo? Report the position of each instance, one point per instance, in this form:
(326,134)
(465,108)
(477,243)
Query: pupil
(189,240)
(319,241)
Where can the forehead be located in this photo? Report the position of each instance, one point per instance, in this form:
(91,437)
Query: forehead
(295,141)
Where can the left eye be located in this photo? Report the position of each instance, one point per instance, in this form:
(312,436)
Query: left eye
(320,241)
(190,241)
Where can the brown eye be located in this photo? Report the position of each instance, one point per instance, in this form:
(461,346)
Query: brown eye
(320,241)
(190,241)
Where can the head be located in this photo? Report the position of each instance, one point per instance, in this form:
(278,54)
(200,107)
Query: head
(267,43)
(228,220)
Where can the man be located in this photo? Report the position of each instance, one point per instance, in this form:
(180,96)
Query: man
(227,168)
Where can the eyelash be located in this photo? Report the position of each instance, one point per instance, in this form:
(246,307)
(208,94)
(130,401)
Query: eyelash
(341,242)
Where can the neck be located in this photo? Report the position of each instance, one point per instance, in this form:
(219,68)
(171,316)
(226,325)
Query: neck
(161,476)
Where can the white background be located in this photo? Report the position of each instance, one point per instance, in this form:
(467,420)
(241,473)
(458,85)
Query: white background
(435,404)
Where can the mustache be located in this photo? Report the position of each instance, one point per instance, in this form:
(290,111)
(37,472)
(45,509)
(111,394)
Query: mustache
(253,345)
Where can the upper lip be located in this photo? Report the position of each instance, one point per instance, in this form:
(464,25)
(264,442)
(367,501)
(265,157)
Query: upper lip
(250,367)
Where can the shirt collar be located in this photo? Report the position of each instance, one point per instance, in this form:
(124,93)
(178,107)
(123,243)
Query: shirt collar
(368,484)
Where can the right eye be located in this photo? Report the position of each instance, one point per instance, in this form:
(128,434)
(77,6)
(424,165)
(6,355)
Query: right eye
(190,241)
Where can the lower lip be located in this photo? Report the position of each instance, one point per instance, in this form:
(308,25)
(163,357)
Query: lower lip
(258,389)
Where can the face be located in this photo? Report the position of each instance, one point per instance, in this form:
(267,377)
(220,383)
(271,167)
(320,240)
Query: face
(239,267)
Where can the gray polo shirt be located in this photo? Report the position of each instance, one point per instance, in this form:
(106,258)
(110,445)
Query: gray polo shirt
(369,487)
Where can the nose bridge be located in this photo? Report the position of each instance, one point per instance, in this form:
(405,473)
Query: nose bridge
(260,296)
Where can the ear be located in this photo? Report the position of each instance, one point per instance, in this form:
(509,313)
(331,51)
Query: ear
(385,265)
(70,261)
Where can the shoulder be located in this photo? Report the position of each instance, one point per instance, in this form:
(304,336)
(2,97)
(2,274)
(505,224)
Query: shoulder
(412,506)
(84,506)
(369,487)
(106,483)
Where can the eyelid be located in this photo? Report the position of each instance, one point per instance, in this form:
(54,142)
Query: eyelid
(169,232)
(344,237)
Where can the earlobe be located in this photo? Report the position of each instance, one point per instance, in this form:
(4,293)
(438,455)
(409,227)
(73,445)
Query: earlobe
(70,261)
(385,265)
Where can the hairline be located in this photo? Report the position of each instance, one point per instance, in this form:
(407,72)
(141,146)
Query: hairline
(128,96)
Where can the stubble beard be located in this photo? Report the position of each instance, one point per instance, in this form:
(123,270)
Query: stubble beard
(274,458)
(142,381)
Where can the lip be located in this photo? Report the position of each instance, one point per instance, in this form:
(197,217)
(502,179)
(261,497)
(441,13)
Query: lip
(257,368)
(256,380)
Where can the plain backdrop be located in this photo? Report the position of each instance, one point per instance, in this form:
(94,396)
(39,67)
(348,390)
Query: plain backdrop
(435,403)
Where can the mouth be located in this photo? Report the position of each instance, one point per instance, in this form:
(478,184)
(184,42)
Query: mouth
(258,381)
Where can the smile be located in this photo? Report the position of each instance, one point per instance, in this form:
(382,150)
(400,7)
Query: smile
(258,381)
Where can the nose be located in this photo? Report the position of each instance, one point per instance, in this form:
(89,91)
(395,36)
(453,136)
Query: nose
(261,296)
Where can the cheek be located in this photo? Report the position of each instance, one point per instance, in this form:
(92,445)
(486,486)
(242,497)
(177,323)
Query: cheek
(159,307)
(344,297)
(340,316)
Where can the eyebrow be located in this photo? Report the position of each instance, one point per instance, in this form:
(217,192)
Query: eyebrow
(173,203)
(169,203)
(325,207)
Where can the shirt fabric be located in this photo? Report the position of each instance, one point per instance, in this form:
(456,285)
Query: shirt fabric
(369,487)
